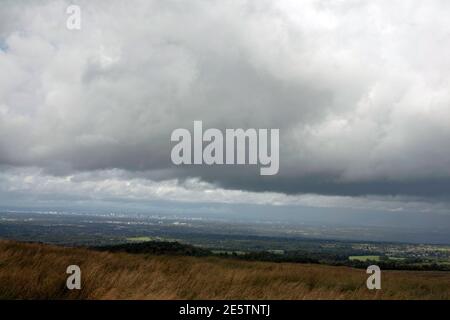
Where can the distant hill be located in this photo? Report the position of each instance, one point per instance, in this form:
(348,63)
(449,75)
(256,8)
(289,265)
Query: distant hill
(38,271)
(157,248)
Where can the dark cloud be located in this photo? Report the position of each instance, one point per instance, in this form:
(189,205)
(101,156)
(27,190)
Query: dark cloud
(359,91)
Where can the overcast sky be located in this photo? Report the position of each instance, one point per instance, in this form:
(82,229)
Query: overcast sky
(360,91)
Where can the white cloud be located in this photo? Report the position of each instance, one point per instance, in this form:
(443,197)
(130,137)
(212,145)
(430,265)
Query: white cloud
(118,185)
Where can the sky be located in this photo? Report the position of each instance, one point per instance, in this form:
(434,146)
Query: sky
(358,89)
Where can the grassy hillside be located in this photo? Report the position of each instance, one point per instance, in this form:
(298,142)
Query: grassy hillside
(30,271)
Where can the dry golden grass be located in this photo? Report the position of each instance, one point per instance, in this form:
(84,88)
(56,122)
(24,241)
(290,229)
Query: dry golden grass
(35,271)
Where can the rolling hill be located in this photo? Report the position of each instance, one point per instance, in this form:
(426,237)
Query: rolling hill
(38,271)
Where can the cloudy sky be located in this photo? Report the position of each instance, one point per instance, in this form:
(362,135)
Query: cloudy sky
(360,91)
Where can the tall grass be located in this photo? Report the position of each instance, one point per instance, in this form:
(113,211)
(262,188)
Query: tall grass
(36,271)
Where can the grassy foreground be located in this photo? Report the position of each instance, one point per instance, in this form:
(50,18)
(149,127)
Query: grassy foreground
(36,271)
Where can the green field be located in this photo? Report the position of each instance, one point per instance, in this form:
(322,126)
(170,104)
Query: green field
(364,258)
(146,238)
(140,239)
(396,258)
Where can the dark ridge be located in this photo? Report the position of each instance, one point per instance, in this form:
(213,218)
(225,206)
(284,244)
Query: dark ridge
(156,248)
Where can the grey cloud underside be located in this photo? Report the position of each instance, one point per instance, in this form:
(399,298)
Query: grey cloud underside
(249,179)
(359,90)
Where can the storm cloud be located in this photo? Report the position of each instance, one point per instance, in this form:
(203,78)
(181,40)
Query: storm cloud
(360,91)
